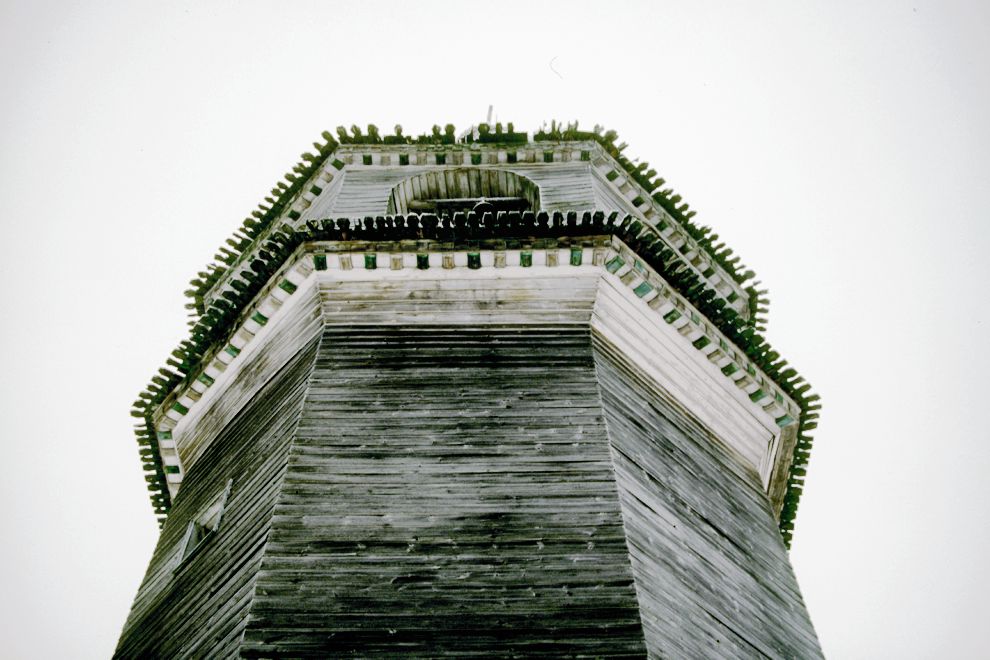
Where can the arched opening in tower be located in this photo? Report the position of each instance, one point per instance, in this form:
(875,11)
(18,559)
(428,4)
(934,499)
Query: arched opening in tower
(464,189)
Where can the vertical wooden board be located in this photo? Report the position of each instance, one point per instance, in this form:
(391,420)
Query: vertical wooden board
(417,189)
(510,186)
(712,572)
(450,183)
(407,193)
(493,180)
(450,492)
(462,185)
(503,183)
(533,195)
(484,183)
(440,180)
(394,201)
(432,189)
(473,187)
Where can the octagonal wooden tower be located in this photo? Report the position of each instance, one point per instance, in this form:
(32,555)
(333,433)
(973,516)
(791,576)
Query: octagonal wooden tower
(492,395)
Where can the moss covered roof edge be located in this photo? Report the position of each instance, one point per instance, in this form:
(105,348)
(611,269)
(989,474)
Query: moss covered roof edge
(278,203)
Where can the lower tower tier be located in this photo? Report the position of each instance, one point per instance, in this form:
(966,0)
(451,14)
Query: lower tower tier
(472,463)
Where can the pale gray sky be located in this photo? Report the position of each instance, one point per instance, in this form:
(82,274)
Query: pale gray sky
(842,148)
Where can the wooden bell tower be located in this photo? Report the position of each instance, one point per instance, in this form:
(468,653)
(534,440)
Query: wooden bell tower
(496,395)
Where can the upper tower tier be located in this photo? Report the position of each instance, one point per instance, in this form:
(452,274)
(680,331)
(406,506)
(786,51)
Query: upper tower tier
(361,175)
(561,192)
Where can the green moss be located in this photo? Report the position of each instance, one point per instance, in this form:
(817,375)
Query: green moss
(642,289)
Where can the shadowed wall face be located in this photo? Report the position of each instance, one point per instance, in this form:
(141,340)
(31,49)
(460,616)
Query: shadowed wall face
(712,572)
(198,605)
(450,490)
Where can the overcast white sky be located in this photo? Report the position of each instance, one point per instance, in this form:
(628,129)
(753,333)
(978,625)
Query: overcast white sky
(842,148)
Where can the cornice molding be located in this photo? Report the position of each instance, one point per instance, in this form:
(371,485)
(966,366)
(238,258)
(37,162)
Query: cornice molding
(609,253)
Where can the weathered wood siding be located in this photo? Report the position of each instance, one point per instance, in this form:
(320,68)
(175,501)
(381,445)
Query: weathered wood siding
(450,492)
(419,297)
(296,325)
(673,364)
(472,462)
(198,608)
(563,186)
(462,182)
(711,569)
